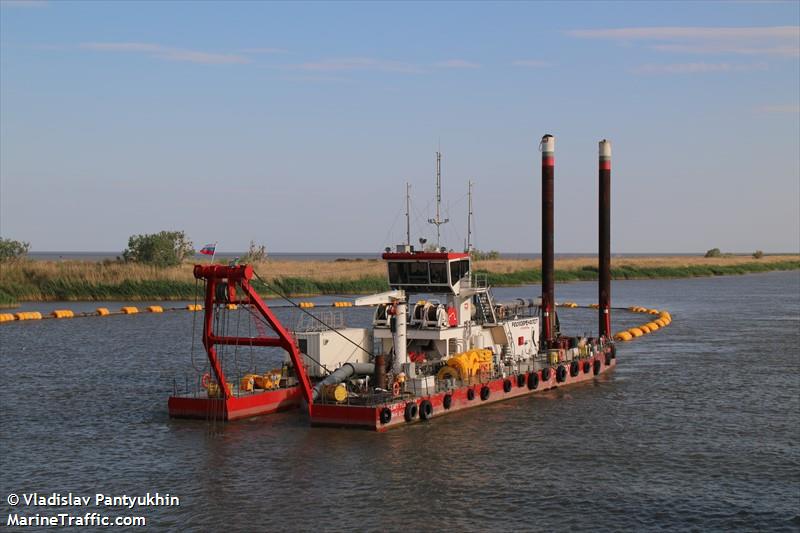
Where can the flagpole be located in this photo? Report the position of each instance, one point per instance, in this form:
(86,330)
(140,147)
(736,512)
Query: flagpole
(214,253)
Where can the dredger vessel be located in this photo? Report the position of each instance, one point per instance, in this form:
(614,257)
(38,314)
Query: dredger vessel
(439,342)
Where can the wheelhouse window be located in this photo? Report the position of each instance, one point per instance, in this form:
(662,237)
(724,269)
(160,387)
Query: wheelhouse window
(458,270)
(398,273)
(439,273)
(418,273)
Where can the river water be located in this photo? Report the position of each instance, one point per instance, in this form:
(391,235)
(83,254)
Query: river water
(697,429)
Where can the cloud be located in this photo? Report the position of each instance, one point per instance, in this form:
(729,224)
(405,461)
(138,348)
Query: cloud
(357,63)
(785,108)
(530,63)
(264,51)
(168,53)
(696,68)
(456,63)
(23,3)
(757,40)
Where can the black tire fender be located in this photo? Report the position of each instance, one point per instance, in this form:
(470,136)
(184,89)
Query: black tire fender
(546,374)
(411,411)
(485,392)
(533,381)
(597,366)
(574,369)
(561,374)
(447,401)
(507,386)
(425,409)
(587,367)
(471,394)
(386,415)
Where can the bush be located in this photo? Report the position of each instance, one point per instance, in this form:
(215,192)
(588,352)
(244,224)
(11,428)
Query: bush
(163,249)
(11,250)
(255,253)
(714,252)
(478,255)
(758,254)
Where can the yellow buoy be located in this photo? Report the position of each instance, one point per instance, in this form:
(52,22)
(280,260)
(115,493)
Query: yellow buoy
(623,336)
(232,306)
(636,332)
(7,317)
(130,310)
(62,313)
(644,329)
(29,315)
(652,325)
(194,307)
(102,311)
(155,309)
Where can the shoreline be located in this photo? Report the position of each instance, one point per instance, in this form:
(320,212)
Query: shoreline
(41,281)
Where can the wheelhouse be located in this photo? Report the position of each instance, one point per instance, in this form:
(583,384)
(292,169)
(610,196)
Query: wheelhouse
(428,272)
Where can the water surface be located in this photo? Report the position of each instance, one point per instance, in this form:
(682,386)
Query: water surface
(697,428)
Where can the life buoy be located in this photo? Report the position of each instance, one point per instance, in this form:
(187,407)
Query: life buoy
(561,374)
(447,401)
(597,366)
(586,367)
(485,392)
(507,386)
(425,409)
(546,374)
(574,369)
(386,415)
(411,411)
(521,380)
(533,381)
(205,380)
(471,394)
(395,389)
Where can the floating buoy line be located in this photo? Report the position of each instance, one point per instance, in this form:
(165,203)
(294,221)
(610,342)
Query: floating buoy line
(662,320)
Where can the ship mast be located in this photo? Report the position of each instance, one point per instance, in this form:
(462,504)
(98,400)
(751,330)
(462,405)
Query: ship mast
(469,218)
(408,214)
(438,221)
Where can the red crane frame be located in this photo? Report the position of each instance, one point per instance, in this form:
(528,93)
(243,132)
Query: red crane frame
(238,277)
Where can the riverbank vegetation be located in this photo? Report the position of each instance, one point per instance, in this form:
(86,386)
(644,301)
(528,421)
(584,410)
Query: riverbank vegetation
(28,280)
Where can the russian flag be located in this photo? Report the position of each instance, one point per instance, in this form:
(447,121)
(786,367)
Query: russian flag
(208,249)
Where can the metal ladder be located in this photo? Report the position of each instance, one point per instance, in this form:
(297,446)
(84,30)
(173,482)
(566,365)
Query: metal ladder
(486,307)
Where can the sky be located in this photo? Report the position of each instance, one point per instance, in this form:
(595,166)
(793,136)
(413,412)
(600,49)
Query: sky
(297,125)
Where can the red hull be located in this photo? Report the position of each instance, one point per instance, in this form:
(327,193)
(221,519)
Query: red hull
(233,408)
(369,417)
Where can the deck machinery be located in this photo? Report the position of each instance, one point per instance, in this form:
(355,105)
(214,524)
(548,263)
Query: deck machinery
(439,342)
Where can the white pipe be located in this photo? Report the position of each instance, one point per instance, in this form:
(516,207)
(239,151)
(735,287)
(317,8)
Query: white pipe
(399,336)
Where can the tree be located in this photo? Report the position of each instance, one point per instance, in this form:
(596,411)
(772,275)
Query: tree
(163,249)
(11,250)
(714,252)
(758,254)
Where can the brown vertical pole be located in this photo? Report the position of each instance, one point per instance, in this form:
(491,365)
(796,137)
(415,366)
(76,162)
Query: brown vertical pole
(548,299)
(604,240)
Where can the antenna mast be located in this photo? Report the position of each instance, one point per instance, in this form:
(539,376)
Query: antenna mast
(408,214)
(438,221)
(469,219)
